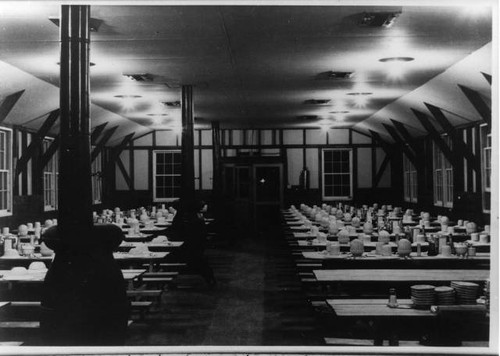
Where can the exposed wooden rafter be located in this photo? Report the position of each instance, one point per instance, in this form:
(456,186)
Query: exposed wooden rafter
(406,135)
(8,103)
(404,146)
(381,170)
(36,141)
(385,146)
(460,148)
(477,101)
(116,151)
(49,153)
(487,77)
(102,142)
(434,134)
(122,169)
(97,132)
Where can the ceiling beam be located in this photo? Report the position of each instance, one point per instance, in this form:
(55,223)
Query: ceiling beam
(116,151)
(102,142)
(36,141)
(51,150)
(477,101)
(434,134)
(406,135)
(392,131)
(459,147)
(385,146)
(487,77)
(8,104)
(97,132)
(381,170)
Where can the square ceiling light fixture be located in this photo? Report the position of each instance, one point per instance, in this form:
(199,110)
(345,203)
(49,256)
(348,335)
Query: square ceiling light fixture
(142,77)
(172,104)
(379,19)
(94,24)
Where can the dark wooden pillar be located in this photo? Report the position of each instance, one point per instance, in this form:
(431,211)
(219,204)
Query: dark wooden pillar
(216,155)
(84,299)
(75,205)
(187,185)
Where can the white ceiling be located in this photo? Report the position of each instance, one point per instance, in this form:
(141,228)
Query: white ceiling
(252,66)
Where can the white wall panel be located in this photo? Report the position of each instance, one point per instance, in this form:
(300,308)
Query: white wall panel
(293,137)
(312,162)
(207,169)
(206,137)
(146,140)
(294,160)
(338,136)
(120,180)
(270,151)
(364,167)
(197,169)
(166,138)
(315,137)
(237,137)
(360,139)
(230,152)
(266,137)
(141,170)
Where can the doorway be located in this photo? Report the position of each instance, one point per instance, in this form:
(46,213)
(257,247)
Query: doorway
(253,191)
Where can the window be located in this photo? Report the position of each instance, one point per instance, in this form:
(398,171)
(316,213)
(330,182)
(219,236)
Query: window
(167,175)
(443,177)
(50,178)
(337,174)
(410,180)
(97,179)
(486,165)
(5,172)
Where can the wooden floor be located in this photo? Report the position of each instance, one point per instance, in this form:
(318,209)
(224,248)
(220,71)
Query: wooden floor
(258,300)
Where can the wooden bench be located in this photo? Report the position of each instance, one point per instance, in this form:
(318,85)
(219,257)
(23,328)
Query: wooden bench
(145,293)
(29,324)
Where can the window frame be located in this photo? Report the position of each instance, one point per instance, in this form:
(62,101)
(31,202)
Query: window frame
(410,181)
(8,158)
(161,199)
(486,143)
(52,173)
(442,176)
(323,175)
(97,178)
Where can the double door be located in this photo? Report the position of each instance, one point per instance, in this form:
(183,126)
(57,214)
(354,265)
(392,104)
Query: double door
(254,192)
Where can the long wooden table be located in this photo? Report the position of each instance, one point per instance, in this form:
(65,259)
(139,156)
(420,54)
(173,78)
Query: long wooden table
(406,275)
(375,307)
(369,260)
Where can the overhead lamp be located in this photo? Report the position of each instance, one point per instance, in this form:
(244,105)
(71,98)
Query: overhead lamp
(317,101)
(340,75)
(157,115)
(94,23)
(379,19)
(308,117)
(396,59)
(141,77)
(172,104)
(126,96)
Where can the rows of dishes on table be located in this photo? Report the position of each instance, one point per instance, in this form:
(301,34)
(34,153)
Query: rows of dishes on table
(144,241)
(344,233)
(384,232)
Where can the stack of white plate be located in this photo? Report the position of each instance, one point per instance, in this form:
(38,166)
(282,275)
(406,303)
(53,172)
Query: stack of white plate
(422,296)
(466,292)
(445,295)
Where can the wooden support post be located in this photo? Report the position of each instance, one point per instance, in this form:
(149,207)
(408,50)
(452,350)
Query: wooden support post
(187,185)
(8,104)
(216,158)
(84,300)
(477,101)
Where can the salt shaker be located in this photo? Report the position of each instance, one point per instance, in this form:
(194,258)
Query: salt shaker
(393,301)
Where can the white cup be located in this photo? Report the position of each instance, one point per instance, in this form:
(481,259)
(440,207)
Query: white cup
(487,228)
(386,250)
(460,222)
(334,248)
(484,238)
(30,226)
(446,250)
(5,231)
(471,251)
(474,236)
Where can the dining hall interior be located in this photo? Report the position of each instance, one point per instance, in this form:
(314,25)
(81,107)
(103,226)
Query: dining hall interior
(281,178)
